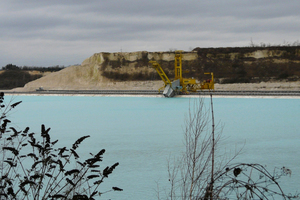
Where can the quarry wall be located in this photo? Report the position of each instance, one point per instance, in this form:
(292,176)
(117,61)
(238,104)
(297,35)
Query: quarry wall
(228,64)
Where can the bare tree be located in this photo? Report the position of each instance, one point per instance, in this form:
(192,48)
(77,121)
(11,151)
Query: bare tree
(189,175)
(200,174)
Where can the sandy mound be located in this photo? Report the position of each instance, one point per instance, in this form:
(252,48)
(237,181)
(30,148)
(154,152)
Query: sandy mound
(85,78)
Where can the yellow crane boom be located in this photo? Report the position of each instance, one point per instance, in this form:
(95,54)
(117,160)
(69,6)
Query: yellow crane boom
(161,73)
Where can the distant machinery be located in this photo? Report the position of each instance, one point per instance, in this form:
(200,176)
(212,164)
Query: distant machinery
(181,85)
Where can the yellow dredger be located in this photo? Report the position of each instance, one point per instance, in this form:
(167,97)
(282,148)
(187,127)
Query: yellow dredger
(181,85)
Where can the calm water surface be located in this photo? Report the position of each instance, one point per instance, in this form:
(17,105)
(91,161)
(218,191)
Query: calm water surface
(141,133)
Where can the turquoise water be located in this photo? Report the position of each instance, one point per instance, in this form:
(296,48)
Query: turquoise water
(141,133)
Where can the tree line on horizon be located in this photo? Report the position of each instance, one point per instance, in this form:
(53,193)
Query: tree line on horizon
(35,68)
(13,76)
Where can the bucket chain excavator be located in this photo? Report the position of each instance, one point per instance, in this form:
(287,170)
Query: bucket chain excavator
(181,85)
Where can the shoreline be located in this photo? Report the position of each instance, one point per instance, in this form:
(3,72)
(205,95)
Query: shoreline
(274,90)
(161,96)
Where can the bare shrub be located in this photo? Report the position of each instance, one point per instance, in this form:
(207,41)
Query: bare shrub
(200,173)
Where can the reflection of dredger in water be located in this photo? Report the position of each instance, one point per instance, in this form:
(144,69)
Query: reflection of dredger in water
(181,85)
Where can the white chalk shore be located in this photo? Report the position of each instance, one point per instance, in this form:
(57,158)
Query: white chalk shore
(160,96)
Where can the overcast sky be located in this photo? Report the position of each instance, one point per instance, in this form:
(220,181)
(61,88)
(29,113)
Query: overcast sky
(65,32)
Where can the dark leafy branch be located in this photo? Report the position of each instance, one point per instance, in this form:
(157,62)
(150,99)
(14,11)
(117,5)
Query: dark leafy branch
(33,166)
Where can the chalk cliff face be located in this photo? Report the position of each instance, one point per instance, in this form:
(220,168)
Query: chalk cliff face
(134,65)
(231,65)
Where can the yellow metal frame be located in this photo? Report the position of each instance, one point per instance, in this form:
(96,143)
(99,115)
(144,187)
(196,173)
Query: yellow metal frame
(208,84)
(161,73)
(178,66)
(187,84)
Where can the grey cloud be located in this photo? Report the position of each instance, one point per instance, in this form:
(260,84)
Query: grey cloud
(77,27)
